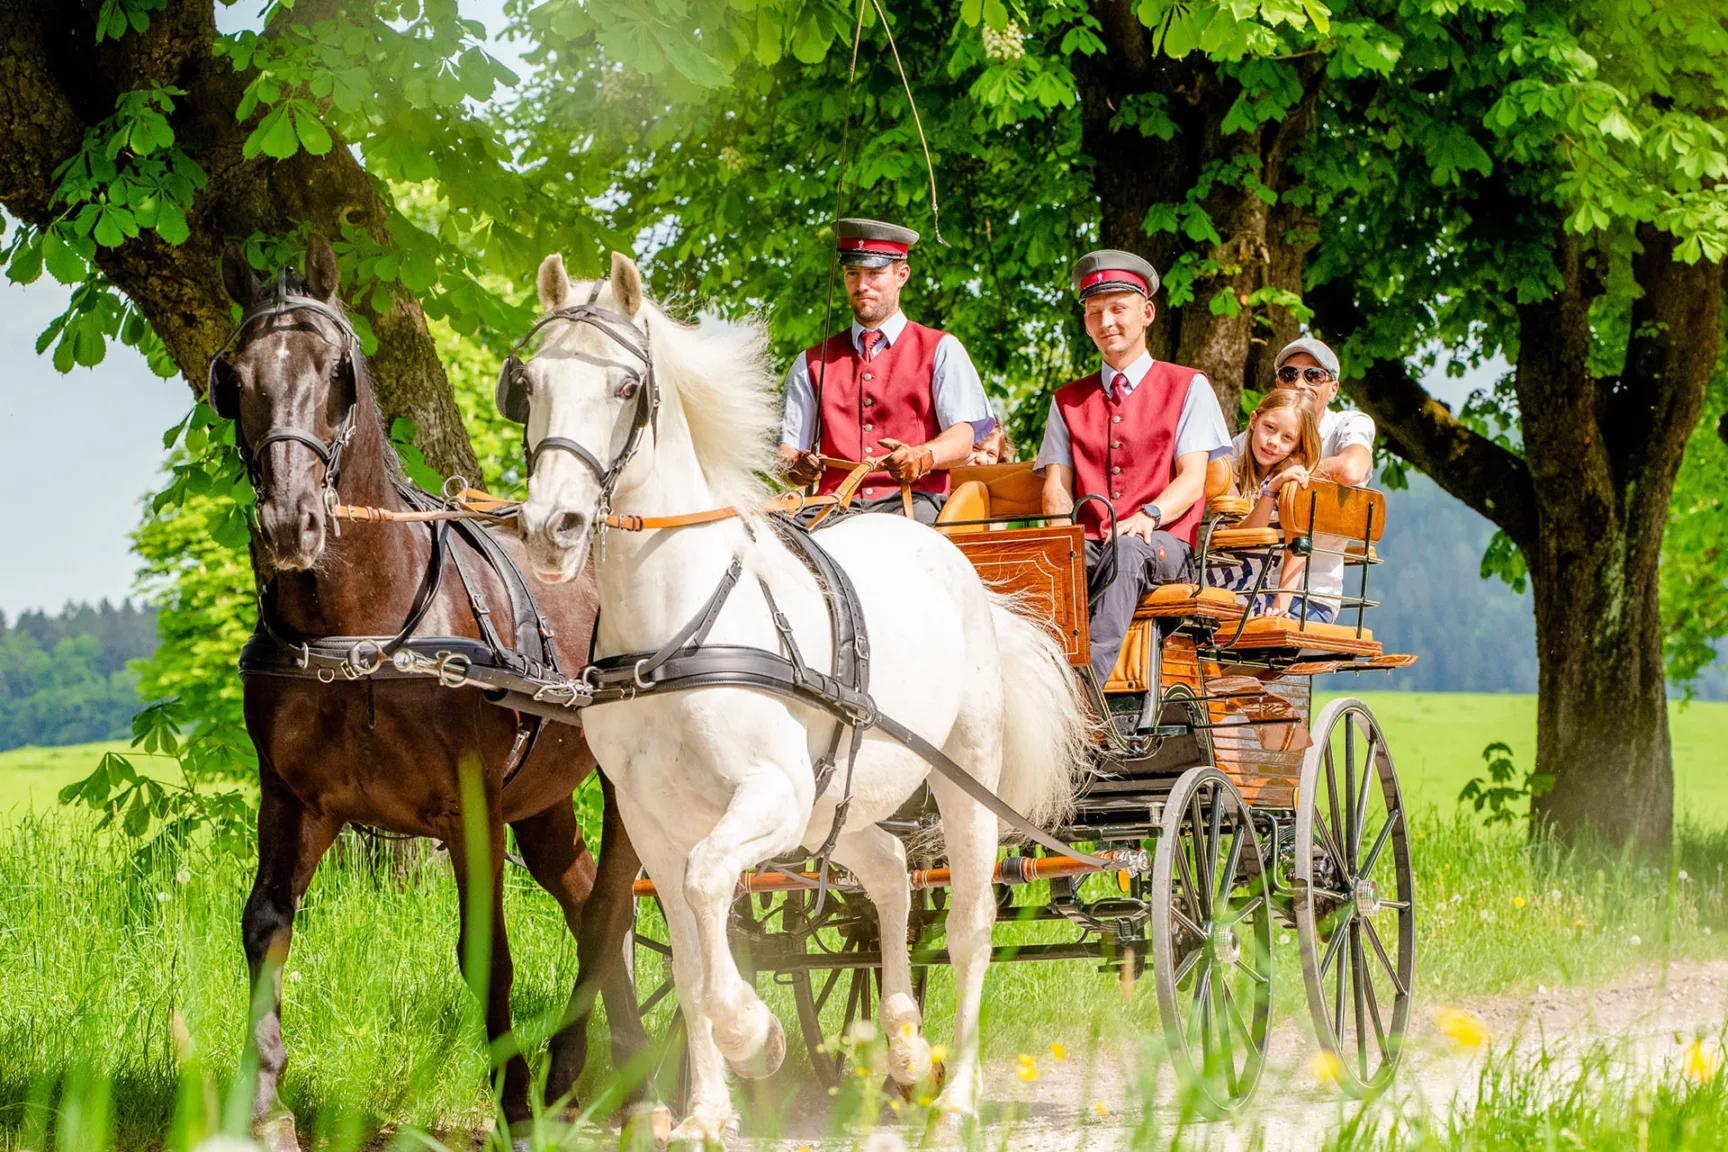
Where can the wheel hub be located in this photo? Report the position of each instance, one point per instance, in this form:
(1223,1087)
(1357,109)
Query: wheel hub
(1367,897)
(1224,945)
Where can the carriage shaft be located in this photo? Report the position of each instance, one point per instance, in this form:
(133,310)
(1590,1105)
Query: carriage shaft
(1013,870)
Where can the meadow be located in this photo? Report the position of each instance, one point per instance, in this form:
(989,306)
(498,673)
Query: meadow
(123,999)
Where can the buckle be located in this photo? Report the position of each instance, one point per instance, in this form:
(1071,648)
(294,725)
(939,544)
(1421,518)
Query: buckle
(453,669)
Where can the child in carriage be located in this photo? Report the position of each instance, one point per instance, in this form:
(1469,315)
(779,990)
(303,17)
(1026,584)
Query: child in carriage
(1281,445)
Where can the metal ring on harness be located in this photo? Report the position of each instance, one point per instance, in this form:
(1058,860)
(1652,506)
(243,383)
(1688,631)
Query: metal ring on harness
(636,673)
(458,677)
(326,675)
(357,660)
(453,487)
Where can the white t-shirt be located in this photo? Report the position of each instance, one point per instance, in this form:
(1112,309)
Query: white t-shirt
(1338,430)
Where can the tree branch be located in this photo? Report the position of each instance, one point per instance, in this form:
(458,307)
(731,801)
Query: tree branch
(1423,431)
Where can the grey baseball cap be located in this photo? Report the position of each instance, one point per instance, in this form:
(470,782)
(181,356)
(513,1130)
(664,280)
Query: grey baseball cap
(1323,355)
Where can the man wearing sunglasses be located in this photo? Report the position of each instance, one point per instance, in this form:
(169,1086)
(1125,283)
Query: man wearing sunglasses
(1346,437)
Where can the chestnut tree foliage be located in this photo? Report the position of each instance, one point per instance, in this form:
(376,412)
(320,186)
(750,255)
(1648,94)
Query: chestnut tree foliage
(1537,180)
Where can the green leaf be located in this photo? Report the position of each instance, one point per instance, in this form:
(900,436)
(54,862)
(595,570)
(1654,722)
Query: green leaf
(274,136)
(63,259)
(314,137)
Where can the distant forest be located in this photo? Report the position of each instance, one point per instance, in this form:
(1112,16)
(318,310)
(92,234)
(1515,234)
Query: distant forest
(1473,635)
(64,679)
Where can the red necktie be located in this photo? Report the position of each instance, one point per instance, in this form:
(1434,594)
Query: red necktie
(1119,387)
(871,339)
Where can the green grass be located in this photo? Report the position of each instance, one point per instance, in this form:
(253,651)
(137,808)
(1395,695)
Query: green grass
(31,778)
(1437,739)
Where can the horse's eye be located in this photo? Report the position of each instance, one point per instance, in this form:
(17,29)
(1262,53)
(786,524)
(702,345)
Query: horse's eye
(627,389)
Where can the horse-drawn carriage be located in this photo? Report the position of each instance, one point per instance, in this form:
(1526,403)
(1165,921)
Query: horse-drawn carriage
(727,690)
(1228,804)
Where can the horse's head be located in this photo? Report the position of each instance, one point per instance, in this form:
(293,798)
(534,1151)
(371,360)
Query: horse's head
(589,401)
(289,379)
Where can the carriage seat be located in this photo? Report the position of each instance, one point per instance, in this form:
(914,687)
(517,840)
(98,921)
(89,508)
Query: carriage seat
(982,491)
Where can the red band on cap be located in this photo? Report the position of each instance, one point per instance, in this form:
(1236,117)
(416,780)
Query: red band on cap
(884,247)
(1106,275)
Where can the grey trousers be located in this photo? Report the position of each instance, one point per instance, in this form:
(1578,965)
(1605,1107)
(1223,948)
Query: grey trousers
(925,506)
(1167,560)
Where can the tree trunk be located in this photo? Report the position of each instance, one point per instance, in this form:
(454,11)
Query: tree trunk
(1587,505)
(55,81)
(1261,246)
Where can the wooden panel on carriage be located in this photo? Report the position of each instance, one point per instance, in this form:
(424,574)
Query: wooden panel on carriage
(1012,489)
(1046,567)
(1282,632)
(1243,750)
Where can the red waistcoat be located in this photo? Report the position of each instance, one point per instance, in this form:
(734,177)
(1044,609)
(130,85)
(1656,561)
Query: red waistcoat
(1125,450)
(863,401)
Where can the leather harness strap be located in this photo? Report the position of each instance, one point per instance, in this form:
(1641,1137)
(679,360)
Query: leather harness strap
(615,679)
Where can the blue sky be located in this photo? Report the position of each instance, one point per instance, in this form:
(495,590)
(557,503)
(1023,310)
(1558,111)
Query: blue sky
(84,449)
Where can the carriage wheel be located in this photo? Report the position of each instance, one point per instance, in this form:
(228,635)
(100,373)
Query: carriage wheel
(1354,911)
(1212,938)
(859,989)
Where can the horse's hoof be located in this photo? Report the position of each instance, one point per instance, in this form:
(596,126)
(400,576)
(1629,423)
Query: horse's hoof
(647,1125)
(766,1062)
(705,1130)
(274,1132)
(931,1085)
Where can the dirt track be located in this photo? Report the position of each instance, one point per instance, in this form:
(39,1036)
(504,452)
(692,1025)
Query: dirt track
(1093,1108)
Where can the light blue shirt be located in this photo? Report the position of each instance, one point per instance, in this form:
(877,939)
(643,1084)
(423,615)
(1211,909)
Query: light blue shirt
(1200,428)
(955,388)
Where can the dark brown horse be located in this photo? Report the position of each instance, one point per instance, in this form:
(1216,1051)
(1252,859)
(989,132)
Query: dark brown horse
(391,754)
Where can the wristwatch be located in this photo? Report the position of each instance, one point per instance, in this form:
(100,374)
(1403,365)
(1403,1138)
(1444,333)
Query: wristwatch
(1155,512)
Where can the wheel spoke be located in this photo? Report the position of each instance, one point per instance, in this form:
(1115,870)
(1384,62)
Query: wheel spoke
(1181,918)
(1240,1021)
(1338,993)
(1256,976)
(1213,836)
(1369,771)
(828,988)
(1202,874)
(1202,987)
(1374,1014)
(1373,856)
(1348,828)
(1226,1047)
(1245,911)
(1186,967)
(1397,905)
(1338,856)
(1187,875)
(1332,948)
(1361,1010)
(1227,877)
(1329,843)
(1380,950)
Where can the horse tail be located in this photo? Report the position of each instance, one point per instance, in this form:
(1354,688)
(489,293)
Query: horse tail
(1045,731)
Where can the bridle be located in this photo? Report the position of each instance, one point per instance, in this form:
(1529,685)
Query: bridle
(224,398)
(512,396)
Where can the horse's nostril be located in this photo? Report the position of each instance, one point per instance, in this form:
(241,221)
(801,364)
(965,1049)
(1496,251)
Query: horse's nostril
(569,526)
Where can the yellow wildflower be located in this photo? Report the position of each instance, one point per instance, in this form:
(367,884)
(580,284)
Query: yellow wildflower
(906,1028)
(926,1101)
(1098,1107)
(1463,1028)
(1028,1072)
(1517,901)
(938,1053)
(1325,1066)
(1699,1062)
(1058,1051)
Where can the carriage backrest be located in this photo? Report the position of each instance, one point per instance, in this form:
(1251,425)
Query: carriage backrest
(1007,489)
(1332,509)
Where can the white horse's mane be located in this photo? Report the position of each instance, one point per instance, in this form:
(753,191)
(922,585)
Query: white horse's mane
(716,375)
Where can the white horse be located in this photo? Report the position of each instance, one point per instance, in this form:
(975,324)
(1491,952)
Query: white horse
(712,781)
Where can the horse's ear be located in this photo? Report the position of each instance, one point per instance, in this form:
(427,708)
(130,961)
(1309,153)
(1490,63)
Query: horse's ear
(553,283)
(238,278)
(626,284)
(322,278)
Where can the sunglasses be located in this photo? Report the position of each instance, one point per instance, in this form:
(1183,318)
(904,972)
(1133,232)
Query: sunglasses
(1289,375)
